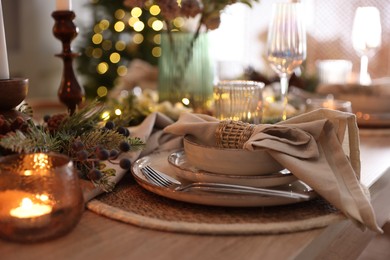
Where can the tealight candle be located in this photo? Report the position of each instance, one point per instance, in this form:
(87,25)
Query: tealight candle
(24,210)
(329,103)
(28,209)
(4,70)
(63,5)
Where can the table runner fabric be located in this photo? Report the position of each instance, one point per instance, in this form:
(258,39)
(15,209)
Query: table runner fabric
(130,203)
(320,147)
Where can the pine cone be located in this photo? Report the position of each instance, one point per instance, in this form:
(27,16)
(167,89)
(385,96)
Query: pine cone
(55,121)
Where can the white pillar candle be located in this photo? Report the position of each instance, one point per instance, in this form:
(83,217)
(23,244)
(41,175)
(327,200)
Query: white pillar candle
(4,70)
(63,5)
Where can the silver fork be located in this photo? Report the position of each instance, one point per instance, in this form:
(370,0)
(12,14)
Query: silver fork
(162,180)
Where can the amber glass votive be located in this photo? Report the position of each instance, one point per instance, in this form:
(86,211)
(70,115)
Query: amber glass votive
(40,197)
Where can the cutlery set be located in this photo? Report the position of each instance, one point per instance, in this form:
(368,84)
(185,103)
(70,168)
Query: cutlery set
(162,180)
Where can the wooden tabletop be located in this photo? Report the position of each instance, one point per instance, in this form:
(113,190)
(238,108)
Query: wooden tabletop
(97,237)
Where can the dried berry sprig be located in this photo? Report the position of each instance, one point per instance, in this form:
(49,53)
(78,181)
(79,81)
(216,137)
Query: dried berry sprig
(91,151)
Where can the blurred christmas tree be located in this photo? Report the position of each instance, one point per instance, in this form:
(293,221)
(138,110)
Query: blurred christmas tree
(118,35)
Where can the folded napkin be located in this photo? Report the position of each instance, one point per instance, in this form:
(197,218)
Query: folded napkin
(320,148)
(151,132)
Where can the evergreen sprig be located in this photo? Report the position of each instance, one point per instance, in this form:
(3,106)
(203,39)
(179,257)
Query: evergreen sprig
(84,138)
(35,140)
(82,120)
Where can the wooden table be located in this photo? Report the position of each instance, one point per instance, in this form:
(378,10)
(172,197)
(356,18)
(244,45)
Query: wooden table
(97,237)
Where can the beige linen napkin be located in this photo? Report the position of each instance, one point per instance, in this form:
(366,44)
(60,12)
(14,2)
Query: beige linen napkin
(150,131)
(321,148)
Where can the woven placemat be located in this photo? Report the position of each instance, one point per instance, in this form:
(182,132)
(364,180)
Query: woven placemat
(130,203)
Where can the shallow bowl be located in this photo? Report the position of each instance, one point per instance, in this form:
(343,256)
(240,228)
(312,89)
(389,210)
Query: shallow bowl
(229,161)
(14,92)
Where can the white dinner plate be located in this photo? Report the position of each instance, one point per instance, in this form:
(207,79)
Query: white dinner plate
(185,171)
(159,162)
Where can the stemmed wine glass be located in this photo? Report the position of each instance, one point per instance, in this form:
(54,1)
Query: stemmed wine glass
(286,44)
(366,38)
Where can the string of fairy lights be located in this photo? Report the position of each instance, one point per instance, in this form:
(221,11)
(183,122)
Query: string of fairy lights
(124,21)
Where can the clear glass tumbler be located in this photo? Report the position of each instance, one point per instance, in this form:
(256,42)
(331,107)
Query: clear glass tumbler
(239,100)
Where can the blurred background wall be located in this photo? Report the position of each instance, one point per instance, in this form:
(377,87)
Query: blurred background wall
(240,40)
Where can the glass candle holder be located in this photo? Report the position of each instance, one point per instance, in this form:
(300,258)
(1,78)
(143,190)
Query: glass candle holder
(239,100)
(329,103)
(40,197)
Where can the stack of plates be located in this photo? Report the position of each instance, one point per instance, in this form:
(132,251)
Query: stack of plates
(186,171)
(259,171)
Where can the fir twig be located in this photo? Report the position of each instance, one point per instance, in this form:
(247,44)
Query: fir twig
(82,120)
(36,140)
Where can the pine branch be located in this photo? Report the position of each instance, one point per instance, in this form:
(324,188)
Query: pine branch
(136,143)
(109,139)
(83,120)
(36,140)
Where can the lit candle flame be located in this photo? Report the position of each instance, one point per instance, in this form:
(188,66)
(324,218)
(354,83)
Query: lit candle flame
(28,209)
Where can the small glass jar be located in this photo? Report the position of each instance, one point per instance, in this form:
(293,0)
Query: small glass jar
(40,197)
(329,103)
(239,100)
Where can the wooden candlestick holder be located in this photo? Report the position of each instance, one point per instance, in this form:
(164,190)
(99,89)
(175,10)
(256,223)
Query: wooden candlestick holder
(70,92)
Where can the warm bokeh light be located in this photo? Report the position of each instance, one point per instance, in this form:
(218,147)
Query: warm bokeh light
(136,12)
(119,26)
(139,26)
(138,38)
(185,101)
(154,10)
(119,14)
(97,38)
(122,70)
(132,21)
(115,57)
(156,52)
(97,53)
(151,20)
(118,112)
(178,22)
(102,67)
(105,115)
(104,24)
(157,25)
(102,91)
(157,39)
(97,28)
(120,45)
